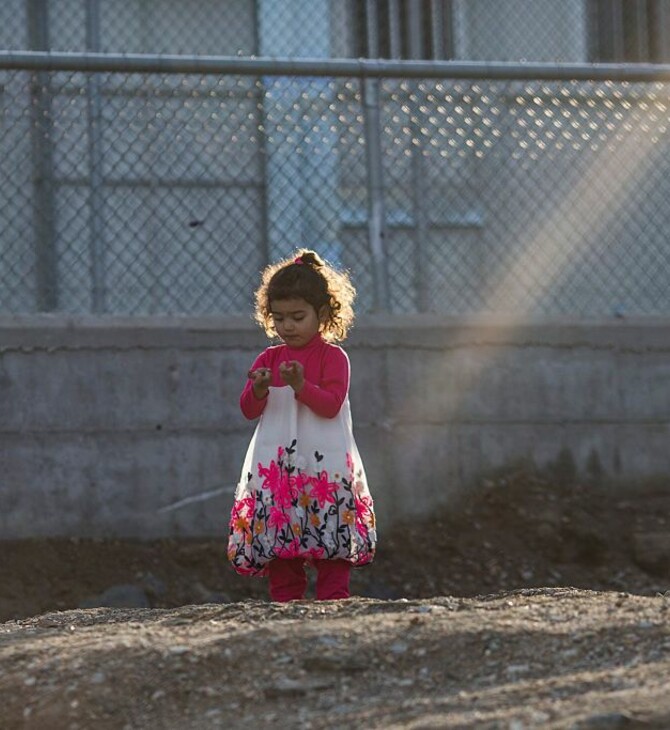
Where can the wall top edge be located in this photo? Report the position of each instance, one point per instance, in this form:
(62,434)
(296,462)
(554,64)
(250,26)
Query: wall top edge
(49,331)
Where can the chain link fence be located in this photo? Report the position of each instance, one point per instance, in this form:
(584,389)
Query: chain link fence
(127,191)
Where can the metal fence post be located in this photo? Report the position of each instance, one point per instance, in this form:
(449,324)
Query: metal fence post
(419,203)
(42,161)
(96,172)
(373,147)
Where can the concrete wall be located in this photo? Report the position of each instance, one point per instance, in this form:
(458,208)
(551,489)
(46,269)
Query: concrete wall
(119,427)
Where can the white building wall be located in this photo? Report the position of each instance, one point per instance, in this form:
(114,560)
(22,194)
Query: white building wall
(301,176)
(515,30)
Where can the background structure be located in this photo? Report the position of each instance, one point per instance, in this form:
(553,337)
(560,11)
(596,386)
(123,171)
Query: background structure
(498,169)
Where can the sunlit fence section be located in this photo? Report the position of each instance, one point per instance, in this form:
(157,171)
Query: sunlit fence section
(154,185)
(540,197)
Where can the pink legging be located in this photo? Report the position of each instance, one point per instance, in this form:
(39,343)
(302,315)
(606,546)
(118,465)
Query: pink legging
(288,581)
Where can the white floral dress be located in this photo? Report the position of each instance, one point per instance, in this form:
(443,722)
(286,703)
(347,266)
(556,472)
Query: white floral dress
(302,492)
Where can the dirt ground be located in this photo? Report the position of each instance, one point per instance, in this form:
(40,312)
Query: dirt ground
(542,605)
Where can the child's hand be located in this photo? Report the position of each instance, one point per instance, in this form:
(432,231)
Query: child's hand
(293,374)
(260,381)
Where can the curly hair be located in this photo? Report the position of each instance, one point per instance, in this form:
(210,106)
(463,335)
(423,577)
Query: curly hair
(307,276)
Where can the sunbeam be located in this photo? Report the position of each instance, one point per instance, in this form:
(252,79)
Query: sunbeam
(541,261)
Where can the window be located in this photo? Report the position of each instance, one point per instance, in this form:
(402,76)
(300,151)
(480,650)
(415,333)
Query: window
(635,31)
(417,29)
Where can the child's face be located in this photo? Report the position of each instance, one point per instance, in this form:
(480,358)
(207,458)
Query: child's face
(295,320)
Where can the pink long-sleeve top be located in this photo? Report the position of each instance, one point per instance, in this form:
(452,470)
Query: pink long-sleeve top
(326,369)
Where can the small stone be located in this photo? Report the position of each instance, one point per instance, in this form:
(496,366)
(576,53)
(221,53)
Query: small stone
(605,721)
(286,687)
(98,678)
(285,659)
(569,653)
(399,647)
(491,647)
(178,649)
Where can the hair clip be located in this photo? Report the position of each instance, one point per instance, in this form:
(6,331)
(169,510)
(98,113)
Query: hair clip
(298,261)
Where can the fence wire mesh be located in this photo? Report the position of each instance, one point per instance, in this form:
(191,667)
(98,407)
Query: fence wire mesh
(145,193)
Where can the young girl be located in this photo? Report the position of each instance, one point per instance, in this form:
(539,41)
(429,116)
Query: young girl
(302,495)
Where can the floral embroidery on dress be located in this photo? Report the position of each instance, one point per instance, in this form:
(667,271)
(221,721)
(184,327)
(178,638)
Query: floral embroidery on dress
(288,513)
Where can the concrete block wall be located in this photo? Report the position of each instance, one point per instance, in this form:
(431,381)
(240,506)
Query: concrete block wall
(131,427)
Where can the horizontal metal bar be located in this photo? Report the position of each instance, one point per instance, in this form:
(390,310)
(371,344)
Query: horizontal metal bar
(160,183)
(67,88)
(356,68)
